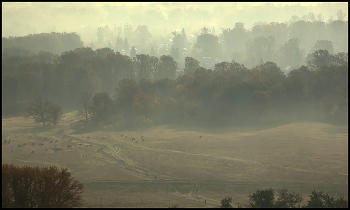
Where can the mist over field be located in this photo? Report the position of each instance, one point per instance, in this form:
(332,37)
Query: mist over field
(182,104)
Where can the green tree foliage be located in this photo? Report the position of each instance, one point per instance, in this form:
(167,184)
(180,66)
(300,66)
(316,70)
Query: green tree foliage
(261,48)
(48,42)
(145,66)
(208,44)
(287,200)
(166,68)
(39,187)
(323,45)
(101,108)
(226,202)
(291,54)
(10,91)
(191,65)
(55,112)
(319,200)
(320,58)
(262,199)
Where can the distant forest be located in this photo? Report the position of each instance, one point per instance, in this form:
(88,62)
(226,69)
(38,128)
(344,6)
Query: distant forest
(286,44)
(145,91)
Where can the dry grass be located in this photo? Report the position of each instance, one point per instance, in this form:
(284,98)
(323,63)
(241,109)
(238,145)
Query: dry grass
(231,162)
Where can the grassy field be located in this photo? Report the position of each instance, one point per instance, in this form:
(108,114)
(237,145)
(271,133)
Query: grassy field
(175,166)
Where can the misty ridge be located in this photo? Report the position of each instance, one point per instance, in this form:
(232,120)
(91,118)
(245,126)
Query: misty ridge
(273,73)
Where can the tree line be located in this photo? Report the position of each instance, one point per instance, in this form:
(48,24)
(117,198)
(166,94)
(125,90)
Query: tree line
(34,43)
(266,199)
(230,94)
(146,90)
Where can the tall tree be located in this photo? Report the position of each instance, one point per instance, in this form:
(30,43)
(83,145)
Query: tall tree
(225,202)
(39,187)
(191,65)
(39,110)
(54,111)
(287,200)
(85,99)
(262,199)
(167,68)
(102,108)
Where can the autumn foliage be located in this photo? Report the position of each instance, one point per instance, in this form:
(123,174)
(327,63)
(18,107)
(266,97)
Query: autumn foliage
(39,187)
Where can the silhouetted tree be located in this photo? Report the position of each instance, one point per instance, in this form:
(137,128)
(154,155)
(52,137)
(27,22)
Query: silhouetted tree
(101,108)
(287,200)
(191,65)
(39,187)
(262,199)
(39,110)
(226,202)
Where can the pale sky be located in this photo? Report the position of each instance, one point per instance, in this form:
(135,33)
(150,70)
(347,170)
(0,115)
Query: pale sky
(21,19)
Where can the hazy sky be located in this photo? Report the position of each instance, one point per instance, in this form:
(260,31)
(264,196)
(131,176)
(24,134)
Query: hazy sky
(20,19)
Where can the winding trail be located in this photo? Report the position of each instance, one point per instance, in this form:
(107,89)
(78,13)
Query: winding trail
(113,160)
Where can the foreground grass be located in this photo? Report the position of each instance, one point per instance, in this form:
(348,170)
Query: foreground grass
(175,166)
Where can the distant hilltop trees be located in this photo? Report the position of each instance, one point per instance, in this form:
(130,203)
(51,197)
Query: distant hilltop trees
(48,42)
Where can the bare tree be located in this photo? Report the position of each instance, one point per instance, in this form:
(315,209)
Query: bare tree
(39,111)
(85,99)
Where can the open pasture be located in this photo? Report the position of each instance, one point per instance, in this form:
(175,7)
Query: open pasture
(187,168)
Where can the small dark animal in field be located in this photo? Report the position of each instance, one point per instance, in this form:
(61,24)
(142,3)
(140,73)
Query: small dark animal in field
(69,145)
(88,137)
(56,149)
(51,141)
(24,144)
(46,150)
(41,144)
(56,141)
(137,141)
(5,141)
(32,152)
(55,145)
(132,139)
(122,135)
(80,144)
(143,140)
(19,145)
(46,139)
(200,136)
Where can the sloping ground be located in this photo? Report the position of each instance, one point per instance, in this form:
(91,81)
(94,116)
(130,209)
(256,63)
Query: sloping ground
(173,166)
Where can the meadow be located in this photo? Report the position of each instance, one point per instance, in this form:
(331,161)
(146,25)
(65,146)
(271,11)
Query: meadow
(181,166)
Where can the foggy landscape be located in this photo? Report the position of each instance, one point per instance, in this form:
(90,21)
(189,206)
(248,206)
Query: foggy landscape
(182,104)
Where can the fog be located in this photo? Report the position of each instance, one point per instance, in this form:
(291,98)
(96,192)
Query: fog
(177,104)
(21,19)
